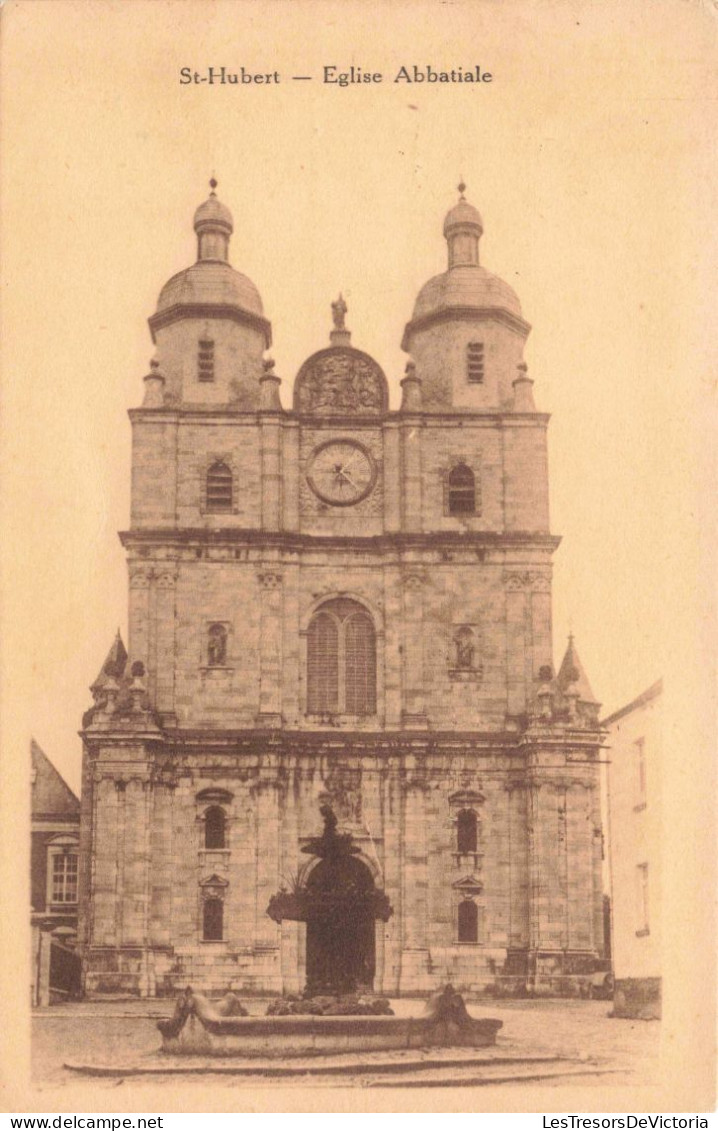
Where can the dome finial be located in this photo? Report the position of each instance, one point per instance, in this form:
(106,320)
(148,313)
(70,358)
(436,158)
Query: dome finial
(213,225)
(462,189)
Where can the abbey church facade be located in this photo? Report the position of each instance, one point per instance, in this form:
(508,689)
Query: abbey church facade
(337,606)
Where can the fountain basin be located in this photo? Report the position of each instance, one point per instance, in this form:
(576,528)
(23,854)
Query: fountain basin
(199,1029)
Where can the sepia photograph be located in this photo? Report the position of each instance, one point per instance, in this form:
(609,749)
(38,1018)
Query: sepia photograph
(358,652)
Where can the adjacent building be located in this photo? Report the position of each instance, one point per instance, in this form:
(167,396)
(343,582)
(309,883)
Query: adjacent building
(338,606)
(634,821)
(54,858)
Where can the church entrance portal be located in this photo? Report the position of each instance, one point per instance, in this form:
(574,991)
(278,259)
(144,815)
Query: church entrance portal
(340,926)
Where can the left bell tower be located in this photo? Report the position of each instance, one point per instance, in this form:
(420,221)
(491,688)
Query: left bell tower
(209,327)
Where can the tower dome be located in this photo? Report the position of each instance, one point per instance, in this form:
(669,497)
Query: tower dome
(466,331)
(211,286)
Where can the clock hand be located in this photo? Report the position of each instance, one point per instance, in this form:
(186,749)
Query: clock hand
(348,479)
(351,459)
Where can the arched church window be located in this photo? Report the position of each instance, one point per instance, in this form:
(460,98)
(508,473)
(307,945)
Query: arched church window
(219,487)
(462,490)
(217,645)
(341,660)
(468,922)
(213,920)
(215,826)
(475,363)
(467,834)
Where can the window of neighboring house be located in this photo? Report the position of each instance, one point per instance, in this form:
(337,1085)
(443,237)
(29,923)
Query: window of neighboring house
(461,490)
(639,747)
(205,360)
(63,876)
(213,920)
(215,826)
(642,899)
(341,660)
(468,922)
(219,487)
(475,363)
(466,831)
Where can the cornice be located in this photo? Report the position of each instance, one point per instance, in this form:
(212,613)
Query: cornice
(465,314)
(211,414)
(182,311)
(378,543)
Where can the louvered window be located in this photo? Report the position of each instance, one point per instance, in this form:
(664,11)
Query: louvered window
(341,660)
(219,488)
(205,360)
(468,922)
(461,490)
(475,363)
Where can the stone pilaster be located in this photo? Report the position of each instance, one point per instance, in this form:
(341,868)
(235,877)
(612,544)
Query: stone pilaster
(106,829)
(392,474)
(411,473)
(415,953)
(414,710)
(270,674)
(164,585)
(267,845)
(271,472)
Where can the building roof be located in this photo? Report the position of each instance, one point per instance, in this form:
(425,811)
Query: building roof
(641,700)
(50,792)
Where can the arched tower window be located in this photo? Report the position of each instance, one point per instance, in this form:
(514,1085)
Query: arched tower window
(341,660)
(468,922)
(461,490)
(219,488)
(467,831)
(215,828)
(213,920)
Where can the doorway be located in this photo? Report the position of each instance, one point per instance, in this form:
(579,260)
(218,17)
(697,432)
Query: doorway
(341,949)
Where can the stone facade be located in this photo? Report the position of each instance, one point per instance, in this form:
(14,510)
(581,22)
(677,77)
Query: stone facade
(319,615)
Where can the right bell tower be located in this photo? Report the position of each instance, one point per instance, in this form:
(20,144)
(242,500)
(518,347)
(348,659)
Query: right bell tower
(466,334)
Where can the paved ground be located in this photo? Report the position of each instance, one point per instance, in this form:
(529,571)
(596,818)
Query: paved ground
(599,1049)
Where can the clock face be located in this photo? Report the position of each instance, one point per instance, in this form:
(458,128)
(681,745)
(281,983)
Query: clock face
(341,472)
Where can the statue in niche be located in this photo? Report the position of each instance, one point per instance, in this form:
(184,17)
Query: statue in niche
(464,649)
(217,646)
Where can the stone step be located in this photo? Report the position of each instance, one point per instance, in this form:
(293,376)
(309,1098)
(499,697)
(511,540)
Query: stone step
(430,1070)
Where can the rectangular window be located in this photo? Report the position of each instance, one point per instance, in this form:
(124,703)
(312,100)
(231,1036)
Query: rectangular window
(642,899)
(205,360)
(64,878)
(475,363)
(640,758)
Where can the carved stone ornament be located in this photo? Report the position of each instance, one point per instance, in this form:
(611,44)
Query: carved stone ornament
(527,579)
(341,380)
(270,580)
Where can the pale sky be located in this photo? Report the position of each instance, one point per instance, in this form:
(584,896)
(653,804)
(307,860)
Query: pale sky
(587,156)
